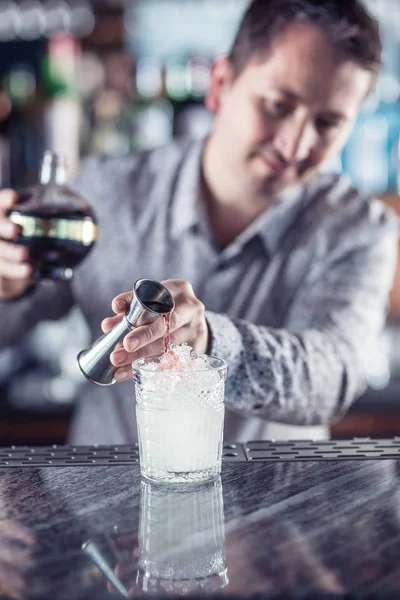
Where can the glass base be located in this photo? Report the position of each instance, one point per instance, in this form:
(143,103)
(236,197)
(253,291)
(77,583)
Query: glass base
(162,476)
(162,585)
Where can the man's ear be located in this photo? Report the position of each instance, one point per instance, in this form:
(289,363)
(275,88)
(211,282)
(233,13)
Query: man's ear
(221,77)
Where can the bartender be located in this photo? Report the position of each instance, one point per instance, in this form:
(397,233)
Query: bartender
(276,265)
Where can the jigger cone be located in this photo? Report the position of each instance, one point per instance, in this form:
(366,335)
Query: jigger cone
(150,300)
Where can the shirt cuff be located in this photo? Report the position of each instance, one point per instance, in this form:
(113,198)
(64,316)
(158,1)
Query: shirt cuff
(226,340)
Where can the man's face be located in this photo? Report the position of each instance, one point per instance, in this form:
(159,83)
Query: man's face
(284,115)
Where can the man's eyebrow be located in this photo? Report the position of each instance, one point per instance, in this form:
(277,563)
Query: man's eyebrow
(290,95)
(330,114)
(335,116)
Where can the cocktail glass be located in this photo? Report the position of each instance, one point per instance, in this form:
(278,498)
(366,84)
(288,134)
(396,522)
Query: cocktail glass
(180,416)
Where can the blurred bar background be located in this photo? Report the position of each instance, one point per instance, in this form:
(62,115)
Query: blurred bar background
(110,76)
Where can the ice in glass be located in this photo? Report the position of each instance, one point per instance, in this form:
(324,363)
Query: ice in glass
(180,415)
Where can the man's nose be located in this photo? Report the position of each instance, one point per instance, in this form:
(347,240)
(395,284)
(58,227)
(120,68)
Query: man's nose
(294,140)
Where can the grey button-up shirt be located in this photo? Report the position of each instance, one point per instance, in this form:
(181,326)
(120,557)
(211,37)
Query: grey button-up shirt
(292,304)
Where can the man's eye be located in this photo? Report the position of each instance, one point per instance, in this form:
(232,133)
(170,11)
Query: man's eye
(276,108)
(326,124)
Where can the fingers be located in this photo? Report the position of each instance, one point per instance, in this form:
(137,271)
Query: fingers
(16,531)
(125,570)
(13,270)
(187,324)
(127,540)
(8,229)
(13,253)
(16,556)
(124,371)
(126,574)
(140,336)
(121,303)
(109,322)
(7,199)
(178,286)
(143,336)
(12,583)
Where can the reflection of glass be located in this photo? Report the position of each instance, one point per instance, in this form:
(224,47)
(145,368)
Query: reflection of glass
(181,539)
(57,224)
(180,421)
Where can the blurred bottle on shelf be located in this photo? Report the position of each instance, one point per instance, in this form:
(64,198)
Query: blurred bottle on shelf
(152,112)
(5,169)
(390,106)
(107,128)
(164,100)
(39,78)
(177,86)
(63,113)
(365,156)
(191,115)
(370,155)
(183,36)
(108,135)
(169,100)
(21,126)
(186,82)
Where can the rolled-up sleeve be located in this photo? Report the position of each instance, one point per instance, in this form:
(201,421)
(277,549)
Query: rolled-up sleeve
(311,371)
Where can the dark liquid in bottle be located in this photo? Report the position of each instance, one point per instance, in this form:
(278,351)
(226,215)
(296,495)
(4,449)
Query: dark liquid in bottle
(58,238)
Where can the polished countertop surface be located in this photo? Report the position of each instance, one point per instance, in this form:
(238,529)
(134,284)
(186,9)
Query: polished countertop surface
(281,527)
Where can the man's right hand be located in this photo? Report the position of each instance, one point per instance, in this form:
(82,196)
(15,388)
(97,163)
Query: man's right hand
(15,272)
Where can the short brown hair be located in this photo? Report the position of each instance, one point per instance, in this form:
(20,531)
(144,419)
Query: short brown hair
(348,27)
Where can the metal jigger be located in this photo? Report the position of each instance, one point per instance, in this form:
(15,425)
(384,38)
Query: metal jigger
(150,300)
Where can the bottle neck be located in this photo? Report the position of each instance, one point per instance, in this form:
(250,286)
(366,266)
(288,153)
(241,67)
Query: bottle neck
(53,169)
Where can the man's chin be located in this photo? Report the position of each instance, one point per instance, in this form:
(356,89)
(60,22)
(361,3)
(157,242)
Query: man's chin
(274,186)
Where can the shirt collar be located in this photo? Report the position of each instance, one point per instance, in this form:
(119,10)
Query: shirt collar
(272,225)
(188,209)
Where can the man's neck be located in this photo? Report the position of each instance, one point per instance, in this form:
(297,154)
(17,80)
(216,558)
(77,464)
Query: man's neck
(230,212)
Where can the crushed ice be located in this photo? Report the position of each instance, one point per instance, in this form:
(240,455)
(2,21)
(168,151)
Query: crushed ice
(180,357)
(202,385)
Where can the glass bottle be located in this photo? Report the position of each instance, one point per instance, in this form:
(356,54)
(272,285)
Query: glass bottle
(57,224)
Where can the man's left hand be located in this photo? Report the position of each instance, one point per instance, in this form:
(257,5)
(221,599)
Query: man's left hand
(188,324)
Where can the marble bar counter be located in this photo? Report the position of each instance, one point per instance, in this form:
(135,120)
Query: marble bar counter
(285,520)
